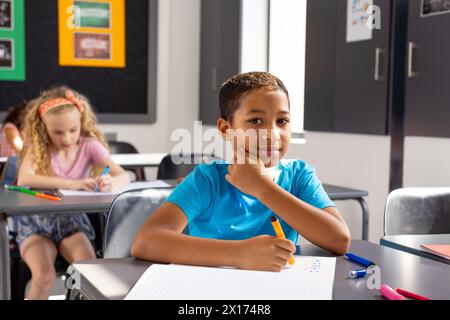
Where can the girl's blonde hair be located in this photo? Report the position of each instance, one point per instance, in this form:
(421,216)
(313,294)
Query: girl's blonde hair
(36,140)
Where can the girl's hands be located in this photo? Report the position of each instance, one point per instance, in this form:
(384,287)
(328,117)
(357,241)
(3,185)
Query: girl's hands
(104,183)
(265,253)
(87,184)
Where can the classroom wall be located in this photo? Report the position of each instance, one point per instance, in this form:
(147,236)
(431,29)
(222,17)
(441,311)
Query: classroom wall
(177,79)
(354,161)
(427,162)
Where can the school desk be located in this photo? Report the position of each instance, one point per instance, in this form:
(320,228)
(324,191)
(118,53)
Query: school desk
(113,278)
(16,203)
(13,203)
(411,244)
(336,193)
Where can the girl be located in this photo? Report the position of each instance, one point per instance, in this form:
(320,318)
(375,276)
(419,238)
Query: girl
(63,148)
(11,141)
(229,206)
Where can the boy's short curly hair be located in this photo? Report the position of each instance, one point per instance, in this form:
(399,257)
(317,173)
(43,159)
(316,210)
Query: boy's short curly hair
(235,88)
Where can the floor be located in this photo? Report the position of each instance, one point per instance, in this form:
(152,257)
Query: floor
(59,288)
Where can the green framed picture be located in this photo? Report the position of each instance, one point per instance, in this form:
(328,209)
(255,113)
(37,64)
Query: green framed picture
(92,14)
(12,40)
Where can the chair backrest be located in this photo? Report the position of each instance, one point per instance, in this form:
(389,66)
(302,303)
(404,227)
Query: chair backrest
(9,170)
(120,147)
(417,211)
(127,214)
(168,170)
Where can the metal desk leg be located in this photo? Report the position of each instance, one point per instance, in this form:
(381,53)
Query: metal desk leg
(5,275)
(365,218)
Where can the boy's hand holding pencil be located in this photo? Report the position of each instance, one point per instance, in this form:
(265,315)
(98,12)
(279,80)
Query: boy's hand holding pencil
(264,252)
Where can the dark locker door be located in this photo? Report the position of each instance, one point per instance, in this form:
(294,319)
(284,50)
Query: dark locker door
(361,79)
(427,101)
(220,52)
(320,65)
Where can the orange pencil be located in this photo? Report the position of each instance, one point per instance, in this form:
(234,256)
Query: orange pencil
(46,196)
(280,234)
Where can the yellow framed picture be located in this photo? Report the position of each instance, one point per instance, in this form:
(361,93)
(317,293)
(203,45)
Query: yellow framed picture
(92,33)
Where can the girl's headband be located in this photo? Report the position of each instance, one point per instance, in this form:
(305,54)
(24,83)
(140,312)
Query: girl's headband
(53,103)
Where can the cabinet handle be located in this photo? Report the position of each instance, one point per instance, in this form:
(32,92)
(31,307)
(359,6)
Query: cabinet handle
(214,79)
(378,53)
(411,72)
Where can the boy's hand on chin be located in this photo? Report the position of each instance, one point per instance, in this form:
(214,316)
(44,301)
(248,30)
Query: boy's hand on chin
(249,178)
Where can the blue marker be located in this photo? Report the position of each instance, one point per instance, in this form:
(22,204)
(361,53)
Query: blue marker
(105,171)
(354,274)
(362,261)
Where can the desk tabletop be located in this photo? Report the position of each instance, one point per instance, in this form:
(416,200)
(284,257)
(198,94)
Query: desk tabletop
(18,203)
(113,278)
(138,159)
(411,244)
(338,192)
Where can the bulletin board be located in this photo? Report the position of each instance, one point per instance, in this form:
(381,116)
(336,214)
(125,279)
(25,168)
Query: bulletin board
(122,92)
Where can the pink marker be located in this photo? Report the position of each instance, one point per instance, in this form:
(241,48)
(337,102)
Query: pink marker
(390,293)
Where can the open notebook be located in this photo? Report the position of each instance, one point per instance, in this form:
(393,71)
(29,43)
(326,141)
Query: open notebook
(131,186)
(441,250)
(308,278)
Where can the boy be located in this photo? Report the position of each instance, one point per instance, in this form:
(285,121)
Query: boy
(229,206)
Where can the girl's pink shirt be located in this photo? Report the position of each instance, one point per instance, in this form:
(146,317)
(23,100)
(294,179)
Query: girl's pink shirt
(90,152)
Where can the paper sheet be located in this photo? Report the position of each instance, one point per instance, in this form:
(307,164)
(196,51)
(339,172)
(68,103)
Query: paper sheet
(308,278)
(131,186)
(357,19)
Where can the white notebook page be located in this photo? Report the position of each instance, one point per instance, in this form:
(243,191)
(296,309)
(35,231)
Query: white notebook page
(308,278)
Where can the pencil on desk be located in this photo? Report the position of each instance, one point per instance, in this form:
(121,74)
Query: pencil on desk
(32,193)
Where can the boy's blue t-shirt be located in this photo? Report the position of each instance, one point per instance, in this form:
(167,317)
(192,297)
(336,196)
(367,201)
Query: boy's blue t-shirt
(216,209)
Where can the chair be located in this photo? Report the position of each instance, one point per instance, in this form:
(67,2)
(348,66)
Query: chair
(127,214)
(124,148)
(168,170)
(417,211)
(8,171)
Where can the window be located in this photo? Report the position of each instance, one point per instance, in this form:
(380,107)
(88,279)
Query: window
(287,44)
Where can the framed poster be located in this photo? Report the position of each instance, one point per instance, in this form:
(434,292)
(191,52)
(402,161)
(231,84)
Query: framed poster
(92,33)
(434,7)
(12,40)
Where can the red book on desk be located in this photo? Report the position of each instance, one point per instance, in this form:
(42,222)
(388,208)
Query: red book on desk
(442,250)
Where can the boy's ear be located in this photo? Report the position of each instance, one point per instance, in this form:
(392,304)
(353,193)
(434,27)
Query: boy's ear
(223,125)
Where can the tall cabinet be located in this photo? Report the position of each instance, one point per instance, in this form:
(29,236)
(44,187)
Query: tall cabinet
(427,100)
(220,52)
(346,81)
